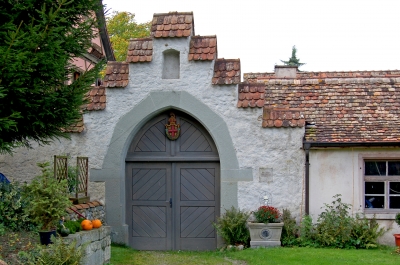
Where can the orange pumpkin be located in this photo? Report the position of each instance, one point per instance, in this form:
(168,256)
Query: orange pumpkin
(96,223)
(86,225)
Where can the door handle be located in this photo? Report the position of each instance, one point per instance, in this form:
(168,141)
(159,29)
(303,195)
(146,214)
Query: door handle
(170,202)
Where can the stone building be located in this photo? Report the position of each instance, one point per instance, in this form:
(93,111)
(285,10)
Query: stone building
(178,138)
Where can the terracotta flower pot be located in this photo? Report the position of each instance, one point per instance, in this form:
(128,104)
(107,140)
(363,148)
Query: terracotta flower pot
(397,239)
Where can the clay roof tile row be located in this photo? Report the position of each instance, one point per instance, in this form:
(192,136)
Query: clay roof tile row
(203,48)
(226,72)
(117,74)
(255,77)
(140,50)
(78,127)
(282,117)
(172,24)
(338,110)
(97,99)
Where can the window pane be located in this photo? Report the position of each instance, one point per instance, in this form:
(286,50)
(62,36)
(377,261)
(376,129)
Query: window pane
(375,168)
(394,168)
(394,202)
(374,201)
(394,188)
(374,187)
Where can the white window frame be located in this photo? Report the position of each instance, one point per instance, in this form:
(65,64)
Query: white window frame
(378,156)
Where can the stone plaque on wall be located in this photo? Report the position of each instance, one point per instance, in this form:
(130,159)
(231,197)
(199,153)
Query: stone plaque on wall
(266,175)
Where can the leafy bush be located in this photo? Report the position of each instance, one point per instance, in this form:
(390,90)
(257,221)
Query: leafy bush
(12,204)
(232,227)
(335,224)
(365,232)
(289,229)
(307,232)
(334,228)
(57,253)
(48,198)
(73,226)
(267,214)
(397,219)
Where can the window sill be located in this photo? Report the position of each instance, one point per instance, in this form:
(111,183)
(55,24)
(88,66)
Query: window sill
(380,215)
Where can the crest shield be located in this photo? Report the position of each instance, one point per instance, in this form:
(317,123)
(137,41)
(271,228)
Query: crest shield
(172,129)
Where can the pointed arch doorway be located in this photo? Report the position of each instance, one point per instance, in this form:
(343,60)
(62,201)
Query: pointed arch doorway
(172,186)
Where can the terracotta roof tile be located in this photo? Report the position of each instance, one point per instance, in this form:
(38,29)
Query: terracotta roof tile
(226,72)
(282,117)
(338,109)
(117,74)
(203,48)
(140,50)
(251,95)
(78,127)
(97,99)
(172,24)
(254,77)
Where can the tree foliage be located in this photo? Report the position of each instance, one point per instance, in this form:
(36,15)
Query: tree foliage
(38,40)
(121,26)
(293,61)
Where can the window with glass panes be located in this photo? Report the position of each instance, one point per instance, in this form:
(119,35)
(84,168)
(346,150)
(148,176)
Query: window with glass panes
(382,184)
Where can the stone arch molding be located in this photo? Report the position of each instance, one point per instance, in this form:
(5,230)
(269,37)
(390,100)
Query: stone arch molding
(113,169)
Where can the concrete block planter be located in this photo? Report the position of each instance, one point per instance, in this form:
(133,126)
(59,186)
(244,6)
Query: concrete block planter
(99,249)
(265,235)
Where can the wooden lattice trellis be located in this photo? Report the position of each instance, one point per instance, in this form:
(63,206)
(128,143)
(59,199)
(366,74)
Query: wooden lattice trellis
(82,176)
(61,167)
(80,188)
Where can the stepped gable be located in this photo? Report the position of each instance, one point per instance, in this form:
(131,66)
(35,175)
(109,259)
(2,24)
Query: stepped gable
(140,50)
(226,72)
(117,75)
(172,24)
(203,48)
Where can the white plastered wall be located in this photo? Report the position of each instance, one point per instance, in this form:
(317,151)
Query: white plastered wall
(340,171)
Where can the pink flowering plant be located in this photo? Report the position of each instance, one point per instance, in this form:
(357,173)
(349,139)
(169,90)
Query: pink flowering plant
(267,214)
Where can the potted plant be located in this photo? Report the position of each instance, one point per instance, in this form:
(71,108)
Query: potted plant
(397,236)
(267,229)
(48,200)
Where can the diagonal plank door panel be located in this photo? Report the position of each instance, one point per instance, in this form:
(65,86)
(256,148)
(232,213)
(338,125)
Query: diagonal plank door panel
(148,212)
(197,205)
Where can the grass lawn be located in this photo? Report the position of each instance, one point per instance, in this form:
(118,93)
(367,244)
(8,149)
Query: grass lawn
(383,255)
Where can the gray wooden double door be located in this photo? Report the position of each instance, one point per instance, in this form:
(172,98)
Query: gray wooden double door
(172,187)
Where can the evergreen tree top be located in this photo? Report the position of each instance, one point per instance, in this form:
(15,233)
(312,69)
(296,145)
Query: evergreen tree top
(293,61)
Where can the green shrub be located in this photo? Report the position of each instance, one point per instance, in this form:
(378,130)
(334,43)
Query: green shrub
(12,204)
(232,227)
(365,232)
(57,253)
(335,224)
(307,232)
(73,226)
(337,228)
(397,219)
(48,198)
(289,229)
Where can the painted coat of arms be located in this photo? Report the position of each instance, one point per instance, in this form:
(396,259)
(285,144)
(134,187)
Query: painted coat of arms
(172,129)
